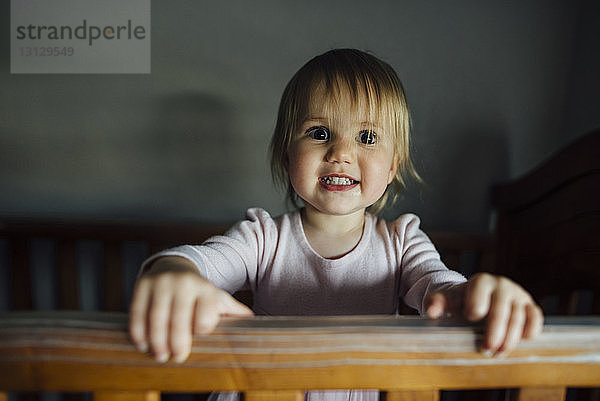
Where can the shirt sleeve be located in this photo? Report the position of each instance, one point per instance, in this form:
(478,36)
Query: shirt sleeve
(422,271)
(231,261)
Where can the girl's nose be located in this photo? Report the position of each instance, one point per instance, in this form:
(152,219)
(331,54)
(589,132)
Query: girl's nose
(340,151)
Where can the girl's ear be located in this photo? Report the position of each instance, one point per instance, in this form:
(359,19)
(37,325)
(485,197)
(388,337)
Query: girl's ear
(393,169)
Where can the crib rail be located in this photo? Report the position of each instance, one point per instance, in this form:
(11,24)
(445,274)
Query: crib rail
(279,358)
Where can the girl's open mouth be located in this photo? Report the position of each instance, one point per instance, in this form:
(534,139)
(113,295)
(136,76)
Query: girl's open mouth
(338,183)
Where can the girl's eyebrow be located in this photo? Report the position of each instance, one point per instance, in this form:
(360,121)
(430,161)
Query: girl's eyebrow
(325,119)
(371,124)
(315,118)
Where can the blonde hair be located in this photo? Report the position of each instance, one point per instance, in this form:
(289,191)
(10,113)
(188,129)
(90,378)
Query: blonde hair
(363,76)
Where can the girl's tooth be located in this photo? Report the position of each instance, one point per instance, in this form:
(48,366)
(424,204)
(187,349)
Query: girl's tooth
(337,181)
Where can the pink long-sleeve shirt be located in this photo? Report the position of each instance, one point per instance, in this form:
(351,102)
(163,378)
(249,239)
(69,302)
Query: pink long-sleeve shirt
(272,257)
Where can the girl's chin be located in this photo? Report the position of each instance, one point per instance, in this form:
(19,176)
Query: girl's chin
(335,210)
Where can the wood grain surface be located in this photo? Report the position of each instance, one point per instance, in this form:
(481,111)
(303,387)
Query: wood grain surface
(77,351)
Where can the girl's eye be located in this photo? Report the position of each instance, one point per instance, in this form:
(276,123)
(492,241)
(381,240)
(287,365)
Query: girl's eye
(318,133)
(367,137)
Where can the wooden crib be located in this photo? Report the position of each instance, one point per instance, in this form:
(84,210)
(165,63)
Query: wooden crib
(548,222)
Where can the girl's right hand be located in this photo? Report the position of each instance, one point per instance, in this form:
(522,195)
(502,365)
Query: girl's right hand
(171,302)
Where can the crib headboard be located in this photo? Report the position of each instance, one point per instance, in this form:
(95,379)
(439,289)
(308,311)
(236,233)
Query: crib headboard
(549,229)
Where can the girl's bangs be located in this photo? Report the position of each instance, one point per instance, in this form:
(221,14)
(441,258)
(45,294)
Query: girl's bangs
(333,90)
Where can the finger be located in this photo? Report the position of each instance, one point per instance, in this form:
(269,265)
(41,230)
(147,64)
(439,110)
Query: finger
(180,331)
(233,307)
(497,322)
(206,314)
(436,305)
(534,322)
(138,315)
(514,330)
(478,296)
(210,309)
(160,309)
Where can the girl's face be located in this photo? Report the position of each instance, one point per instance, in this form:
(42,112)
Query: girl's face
(340,162)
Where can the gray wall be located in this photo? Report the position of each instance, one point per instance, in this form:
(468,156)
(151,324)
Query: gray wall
(494,89)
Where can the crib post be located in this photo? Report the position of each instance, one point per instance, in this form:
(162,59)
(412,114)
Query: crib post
(126,396)
(541,394)
(407,395)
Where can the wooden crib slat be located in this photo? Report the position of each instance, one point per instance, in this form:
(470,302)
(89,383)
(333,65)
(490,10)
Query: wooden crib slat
(424,395)
(114,293)
(68,284)
(126,396)
(286,395)
(21,274)
(541,394)
(596,304)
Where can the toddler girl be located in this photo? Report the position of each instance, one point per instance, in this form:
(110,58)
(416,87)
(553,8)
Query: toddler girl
(340,146)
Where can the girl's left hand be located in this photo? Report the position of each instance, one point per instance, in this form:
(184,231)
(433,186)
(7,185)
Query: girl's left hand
(510,311)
